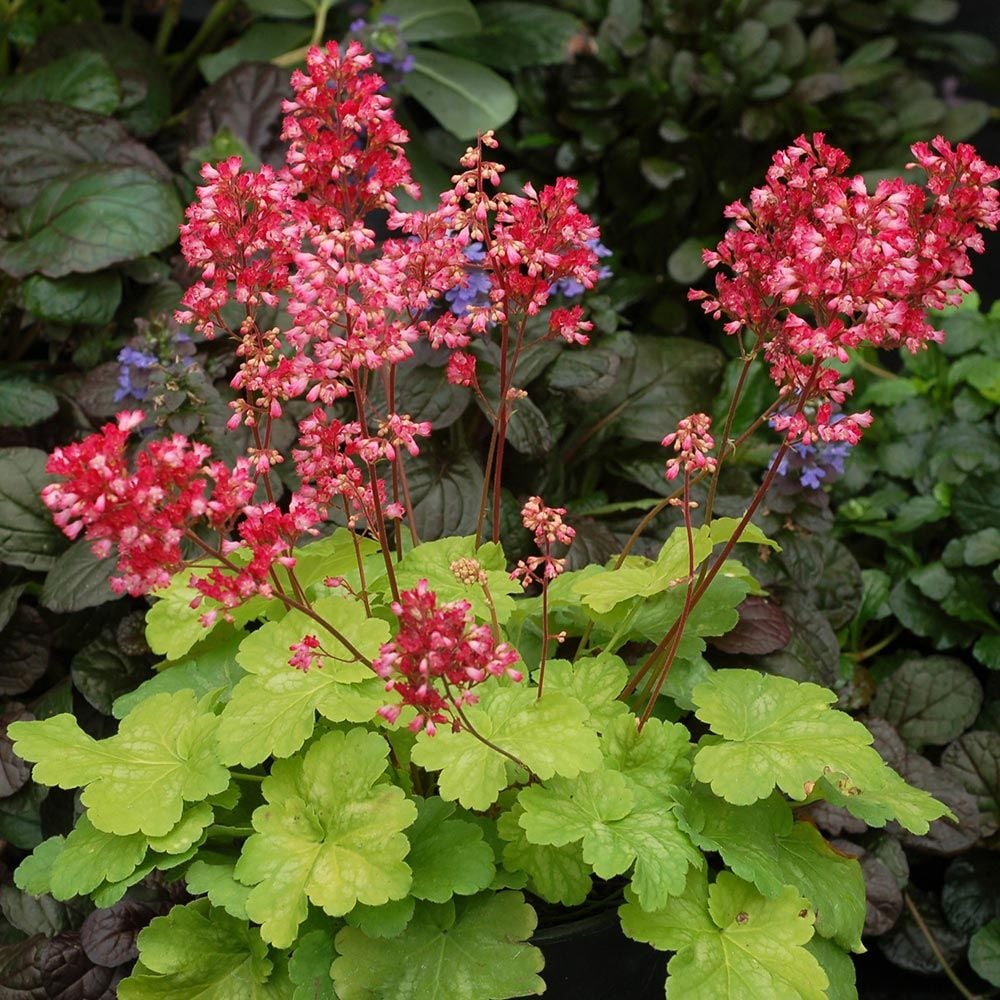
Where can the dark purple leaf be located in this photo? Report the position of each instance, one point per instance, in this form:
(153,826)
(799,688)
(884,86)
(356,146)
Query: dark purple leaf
(812,653)
(101,672)
(945,836)
(41,142)
(40,914)
(24,651)
(969,897)
(108,936)
(762,628)
(888,742)
(40,968)
(96,394)
(594,543)
(974,760)
(906,945)
(931,699)
(247,101)
(14,772)
(884,901)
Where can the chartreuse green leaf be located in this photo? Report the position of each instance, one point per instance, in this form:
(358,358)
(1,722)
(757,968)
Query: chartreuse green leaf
(273,709)
(163,756)
(383,921)
(639,577)
(763,844)
(448,856)
(212,875)
(198,951)
(330,834)
(173,627)
(556,874)
(779,732)
(465,949)
(34,873)
(593,680)
(617,828)
(549,734)
(90,857)
(432,561)
(335,555)
(656,760)
(731,942)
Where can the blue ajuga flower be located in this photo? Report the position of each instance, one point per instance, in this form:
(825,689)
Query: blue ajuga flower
(132,366)
(386,44)
(570,287)
(476,291)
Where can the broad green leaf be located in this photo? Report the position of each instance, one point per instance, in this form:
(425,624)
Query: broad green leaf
(24,402)
(448,856)
(466,949)
(187,832)
(596,681)
(92,299)
(931,699)
(330,834)
(762,844)
(34,874)
(109,893)
(548,734)
(309,967)
(213,875)
(141,73)
(556,874)
(463,96)
(984,952)
(212,670)
(731,942)
(723,528)
(90,857)
(424,20)
(617,829)
(95,216)
(198,951)
(273,709)
(656,760)
(838,966)
(28,537)
(432,561)
(138,780)
(383,921)
(515,35)
(174,627)
(261,42)
(83,80)
(334,556)
(78,580)
(778,732)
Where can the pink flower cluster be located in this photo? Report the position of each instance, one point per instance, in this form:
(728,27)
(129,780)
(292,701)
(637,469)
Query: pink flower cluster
(692,442)
(436,659)
(300,236)
(815,264)
(549,529)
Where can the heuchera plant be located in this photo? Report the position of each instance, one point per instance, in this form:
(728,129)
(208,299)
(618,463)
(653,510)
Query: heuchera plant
(365,753)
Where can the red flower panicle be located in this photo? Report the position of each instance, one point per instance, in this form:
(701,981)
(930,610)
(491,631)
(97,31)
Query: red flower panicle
(816,264)
(437,658)
(692,442)
(549,529)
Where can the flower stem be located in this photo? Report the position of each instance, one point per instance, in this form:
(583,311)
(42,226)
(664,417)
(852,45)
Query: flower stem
(936,949)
